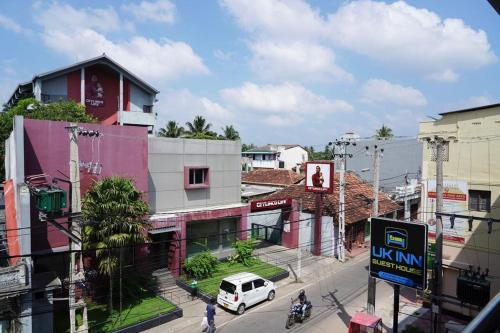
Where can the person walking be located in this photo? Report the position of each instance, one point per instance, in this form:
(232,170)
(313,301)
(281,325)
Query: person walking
(211,315)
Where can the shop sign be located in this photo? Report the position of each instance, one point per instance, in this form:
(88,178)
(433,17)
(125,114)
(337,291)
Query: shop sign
(455,194)
(94,92)
(13,278)
(319,177)
(398,252)
(270,204)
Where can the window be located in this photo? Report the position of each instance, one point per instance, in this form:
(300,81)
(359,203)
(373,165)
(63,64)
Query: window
(246,287)
(281,164)
(147,108)
(479,200)
(258,283)
(196,177)
(227,287)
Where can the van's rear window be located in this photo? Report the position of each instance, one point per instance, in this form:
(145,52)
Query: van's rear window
(227,287)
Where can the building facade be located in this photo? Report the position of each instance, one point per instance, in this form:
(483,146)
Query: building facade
(107,90)
(471,172)
(273,156)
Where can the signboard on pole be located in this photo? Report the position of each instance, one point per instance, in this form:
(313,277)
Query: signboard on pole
(258,205)
(455,199)
(319,177)
(398,252)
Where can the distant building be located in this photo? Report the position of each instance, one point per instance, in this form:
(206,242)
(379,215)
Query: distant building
(471,173)
(108,91)
(274,156)
(257,183)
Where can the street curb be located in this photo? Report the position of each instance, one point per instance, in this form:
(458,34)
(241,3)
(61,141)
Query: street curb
(207,298)
(152,322)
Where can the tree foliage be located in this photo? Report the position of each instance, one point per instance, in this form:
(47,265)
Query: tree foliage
(245,147)
(32,109)
(201,265)
(199,128)
(384,133)
(113,211)
(243,252)
(230,133)
(171,130)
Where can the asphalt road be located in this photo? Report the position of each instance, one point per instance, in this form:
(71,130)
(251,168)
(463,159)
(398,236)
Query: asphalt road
(329,291)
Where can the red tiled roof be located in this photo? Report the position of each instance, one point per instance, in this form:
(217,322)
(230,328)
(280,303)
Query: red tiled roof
(358,195)
(277,177)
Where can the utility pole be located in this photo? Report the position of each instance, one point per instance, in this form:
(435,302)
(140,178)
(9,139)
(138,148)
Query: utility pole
(75,271)
(299,249)
(437,143)
(341,144)
(372,283)
(407,208)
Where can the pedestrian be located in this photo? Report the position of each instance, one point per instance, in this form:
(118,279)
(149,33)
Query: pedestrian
(211,315)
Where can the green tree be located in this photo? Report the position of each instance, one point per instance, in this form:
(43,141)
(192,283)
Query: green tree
(113,211)
(199,129)
(245,147)
(230,133)
(32,109)
(171,130)
(383,133)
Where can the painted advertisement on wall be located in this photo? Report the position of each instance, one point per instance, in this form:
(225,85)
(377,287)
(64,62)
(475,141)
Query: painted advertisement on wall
(94,91)
(398,252)
(455,200)
(319,177)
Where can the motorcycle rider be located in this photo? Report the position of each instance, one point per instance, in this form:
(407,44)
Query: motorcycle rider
(303,301)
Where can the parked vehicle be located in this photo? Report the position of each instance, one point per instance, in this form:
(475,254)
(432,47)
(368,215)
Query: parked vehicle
(240,291)
(295,314)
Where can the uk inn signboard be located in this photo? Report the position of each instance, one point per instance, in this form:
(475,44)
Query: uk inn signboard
(398,252)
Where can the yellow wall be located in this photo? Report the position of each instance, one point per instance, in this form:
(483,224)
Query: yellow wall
(474,156)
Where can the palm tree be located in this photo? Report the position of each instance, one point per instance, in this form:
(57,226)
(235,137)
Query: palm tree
(384,133)
(199,129)
(171,130)
(113,211)
(230,133)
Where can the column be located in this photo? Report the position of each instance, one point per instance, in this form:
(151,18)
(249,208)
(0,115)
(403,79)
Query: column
(82,86)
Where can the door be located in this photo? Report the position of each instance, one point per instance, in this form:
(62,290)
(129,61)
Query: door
(248,293)
(259,290)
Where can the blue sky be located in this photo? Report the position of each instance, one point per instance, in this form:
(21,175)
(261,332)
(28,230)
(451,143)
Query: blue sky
(279,71)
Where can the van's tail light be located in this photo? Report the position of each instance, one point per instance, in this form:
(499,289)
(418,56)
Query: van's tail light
(236,297)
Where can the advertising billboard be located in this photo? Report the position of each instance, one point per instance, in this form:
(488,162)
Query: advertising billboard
(319,177)
(455,199)
(398,252)
(258,205)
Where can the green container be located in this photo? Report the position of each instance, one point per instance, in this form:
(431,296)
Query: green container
(51,200)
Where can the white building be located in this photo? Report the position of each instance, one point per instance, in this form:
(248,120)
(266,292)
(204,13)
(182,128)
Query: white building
(274,156)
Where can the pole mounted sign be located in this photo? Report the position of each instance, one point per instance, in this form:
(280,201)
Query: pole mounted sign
(398,252)
(319,177)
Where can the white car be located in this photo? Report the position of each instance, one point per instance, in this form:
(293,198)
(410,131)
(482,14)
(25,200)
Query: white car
(239,291)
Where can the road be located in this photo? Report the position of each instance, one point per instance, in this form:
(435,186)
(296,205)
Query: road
(329,291)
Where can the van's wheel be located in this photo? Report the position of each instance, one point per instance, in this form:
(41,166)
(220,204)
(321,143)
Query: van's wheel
(271,295)
(241,309)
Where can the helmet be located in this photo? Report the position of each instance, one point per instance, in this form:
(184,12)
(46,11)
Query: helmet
(302,292)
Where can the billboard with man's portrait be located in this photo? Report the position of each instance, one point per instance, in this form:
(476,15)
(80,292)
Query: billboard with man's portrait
(319,177)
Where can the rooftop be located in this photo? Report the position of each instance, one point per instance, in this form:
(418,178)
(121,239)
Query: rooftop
(472,109)
(358,197)
(272,177)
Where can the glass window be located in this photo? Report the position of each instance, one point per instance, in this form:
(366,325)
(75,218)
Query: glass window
(227,287)
(258,283)
(196,176)
(246,287)
(479,200)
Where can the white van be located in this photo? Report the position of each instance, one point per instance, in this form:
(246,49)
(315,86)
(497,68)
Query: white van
(239,291)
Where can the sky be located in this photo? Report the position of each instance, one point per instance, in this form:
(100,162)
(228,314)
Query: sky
(289,71)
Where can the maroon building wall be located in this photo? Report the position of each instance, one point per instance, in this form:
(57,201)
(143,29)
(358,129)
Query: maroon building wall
(104,108)
(122,151)
(74,86)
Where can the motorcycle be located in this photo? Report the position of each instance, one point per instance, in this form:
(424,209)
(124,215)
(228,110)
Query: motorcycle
(295,314)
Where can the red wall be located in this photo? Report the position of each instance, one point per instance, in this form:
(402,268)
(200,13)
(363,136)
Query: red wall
(123,152)
(74,86)
(109,80)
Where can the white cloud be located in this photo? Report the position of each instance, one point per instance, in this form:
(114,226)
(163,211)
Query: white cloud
(160,11)
(288,100)
(148,58)
(11,25)
(296,60)
(383,92)
(221,55)
(400,34)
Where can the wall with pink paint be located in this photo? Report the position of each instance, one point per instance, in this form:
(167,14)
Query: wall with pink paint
(122,151)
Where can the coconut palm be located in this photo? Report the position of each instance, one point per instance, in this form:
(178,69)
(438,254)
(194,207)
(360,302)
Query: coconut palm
(171,130)
(199,129)
(113,211)
(384,133)
(230,133)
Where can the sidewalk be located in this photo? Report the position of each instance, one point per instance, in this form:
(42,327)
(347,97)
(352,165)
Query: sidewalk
(193,310)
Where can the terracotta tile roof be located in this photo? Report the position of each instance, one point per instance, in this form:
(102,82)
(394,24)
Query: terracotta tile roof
(358,196)
(276,177)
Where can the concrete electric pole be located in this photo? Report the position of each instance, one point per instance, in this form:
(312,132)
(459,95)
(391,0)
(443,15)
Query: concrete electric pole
(377,154)
(341,144)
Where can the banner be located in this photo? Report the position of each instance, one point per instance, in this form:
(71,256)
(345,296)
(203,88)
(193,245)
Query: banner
(398,252)
(319,177)
(455,200)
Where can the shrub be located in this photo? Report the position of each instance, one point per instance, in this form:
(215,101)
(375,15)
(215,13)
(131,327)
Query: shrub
(243,249)
(202,265)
